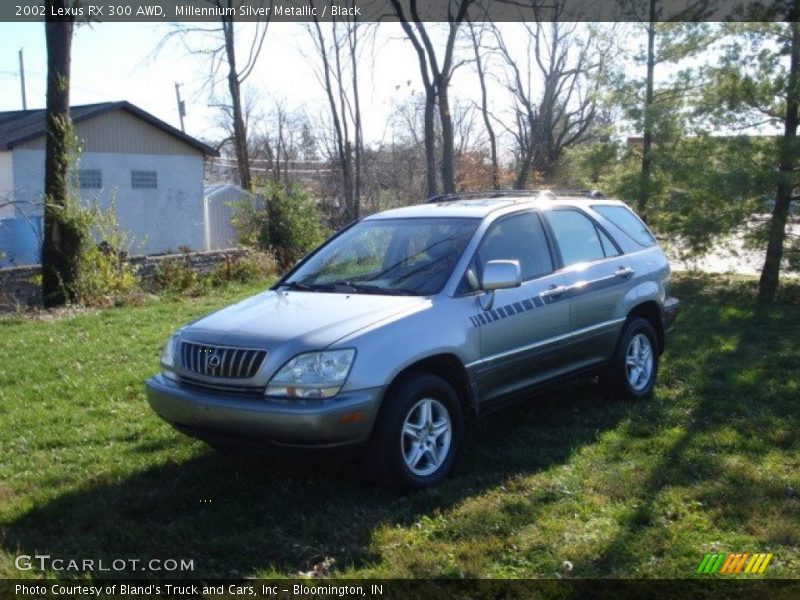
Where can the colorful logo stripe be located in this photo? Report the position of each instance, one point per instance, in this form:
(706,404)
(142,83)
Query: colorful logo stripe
(730,564)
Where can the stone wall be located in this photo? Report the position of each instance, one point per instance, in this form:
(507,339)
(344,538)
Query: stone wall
(21,286)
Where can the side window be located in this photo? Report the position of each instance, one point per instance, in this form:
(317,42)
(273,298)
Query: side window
(577,237)
(627,221)
(518,237)
(608,246)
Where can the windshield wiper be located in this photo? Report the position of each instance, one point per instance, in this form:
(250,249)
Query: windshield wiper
(299,285)
(371,289)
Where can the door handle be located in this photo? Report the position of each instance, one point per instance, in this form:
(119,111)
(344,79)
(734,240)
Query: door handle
(553,291)
(624,272)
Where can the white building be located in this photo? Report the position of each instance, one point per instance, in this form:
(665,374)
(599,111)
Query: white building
(153,172)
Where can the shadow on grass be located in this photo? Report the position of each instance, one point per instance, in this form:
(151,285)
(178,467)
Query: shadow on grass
(235,515)
(738,365)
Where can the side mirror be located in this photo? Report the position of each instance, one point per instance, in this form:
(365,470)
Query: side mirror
(501,274)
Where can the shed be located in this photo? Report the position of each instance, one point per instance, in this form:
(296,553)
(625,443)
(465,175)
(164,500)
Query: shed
(219,210)
(152,171)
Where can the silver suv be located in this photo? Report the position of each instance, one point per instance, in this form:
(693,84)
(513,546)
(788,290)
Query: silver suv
(409,324)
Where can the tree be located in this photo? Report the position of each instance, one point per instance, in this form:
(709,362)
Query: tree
(62,235)
(655,106)
(647,129)
(338,75)
(475,37)
(219,45)
(755,85)
(563,60)
(436,75)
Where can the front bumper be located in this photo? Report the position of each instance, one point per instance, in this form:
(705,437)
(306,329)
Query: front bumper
(343,420)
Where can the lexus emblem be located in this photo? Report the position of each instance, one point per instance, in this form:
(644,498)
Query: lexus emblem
(214,362)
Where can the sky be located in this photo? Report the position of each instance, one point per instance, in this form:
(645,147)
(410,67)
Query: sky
(116,61)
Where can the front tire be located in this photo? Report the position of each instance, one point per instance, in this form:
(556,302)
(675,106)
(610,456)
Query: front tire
(418,435)
(632,372)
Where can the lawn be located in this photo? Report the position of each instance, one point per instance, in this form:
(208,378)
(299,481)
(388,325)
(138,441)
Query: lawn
(566,485)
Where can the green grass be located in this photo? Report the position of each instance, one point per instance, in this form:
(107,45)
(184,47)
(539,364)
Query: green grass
(617,489)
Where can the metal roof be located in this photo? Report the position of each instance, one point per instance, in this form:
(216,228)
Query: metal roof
(214,189)
(20,126)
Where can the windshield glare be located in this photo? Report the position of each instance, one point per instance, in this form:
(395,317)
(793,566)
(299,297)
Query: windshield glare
(388,256)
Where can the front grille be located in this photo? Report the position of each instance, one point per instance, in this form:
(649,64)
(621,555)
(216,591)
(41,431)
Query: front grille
(221,361)
(226,390)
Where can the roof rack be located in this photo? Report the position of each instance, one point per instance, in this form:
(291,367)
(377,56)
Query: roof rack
(454,197)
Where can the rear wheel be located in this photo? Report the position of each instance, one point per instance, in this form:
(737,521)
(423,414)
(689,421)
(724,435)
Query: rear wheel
(631,374)
(418,435)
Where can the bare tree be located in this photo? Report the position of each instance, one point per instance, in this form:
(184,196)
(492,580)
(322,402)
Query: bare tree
(563,113)
(276,144)
(279,144)
(338,54)
(436,75)
(476,35)
(62,237)
(224,120)
(218,43)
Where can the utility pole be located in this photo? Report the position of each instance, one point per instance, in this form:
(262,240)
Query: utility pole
(181,105)
(22,80)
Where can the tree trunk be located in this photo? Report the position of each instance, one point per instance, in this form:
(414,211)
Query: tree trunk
(448,146)
(524,168)
(430,140)
(788,151)
(647,136)
(341,137)
(62,238)
(435,82)
(239,128)
(359,141)
(487,122)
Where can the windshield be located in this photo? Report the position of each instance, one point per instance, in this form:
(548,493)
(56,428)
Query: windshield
(387,256)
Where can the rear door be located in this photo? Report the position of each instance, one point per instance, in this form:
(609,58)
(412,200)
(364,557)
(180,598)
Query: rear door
(520,332)
(598,276)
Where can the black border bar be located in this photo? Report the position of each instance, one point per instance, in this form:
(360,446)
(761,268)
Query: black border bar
(299,11)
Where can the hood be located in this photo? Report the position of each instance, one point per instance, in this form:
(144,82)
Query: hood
(314,320)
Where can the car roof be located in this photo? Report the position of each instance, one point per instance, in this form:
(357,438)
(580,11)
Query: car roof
(475,206)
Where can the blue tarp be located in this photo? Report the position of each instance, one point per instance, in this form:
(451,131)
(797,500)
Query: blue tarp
(20,241)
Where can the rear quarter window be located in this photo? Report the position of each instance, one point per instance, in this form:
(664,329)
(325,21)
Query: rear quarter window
(627,221)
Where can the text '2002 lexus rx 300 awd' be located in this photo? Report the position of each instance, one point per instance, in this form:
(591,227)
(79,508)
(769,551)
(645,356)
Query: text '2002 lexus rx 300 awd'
(409,323)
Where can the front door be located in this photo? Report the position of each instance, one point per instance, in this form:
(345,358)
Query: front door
(521,331)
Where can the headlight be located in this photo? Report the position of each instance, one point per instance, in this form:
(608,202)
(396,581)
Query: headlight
(168,354)
(312,375)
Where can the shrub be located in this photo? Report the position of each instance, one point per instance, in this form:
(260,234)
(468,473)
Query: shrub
(104,275)
(288,226)
(250,267)
(175,274)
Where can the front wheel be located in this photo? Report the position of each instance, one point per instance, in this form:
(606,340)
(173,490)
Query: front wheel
(418,435)
(631,374)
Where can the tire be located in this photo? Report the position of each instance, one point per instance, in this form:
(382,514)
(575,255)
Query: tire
(633,369)
(418,435)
